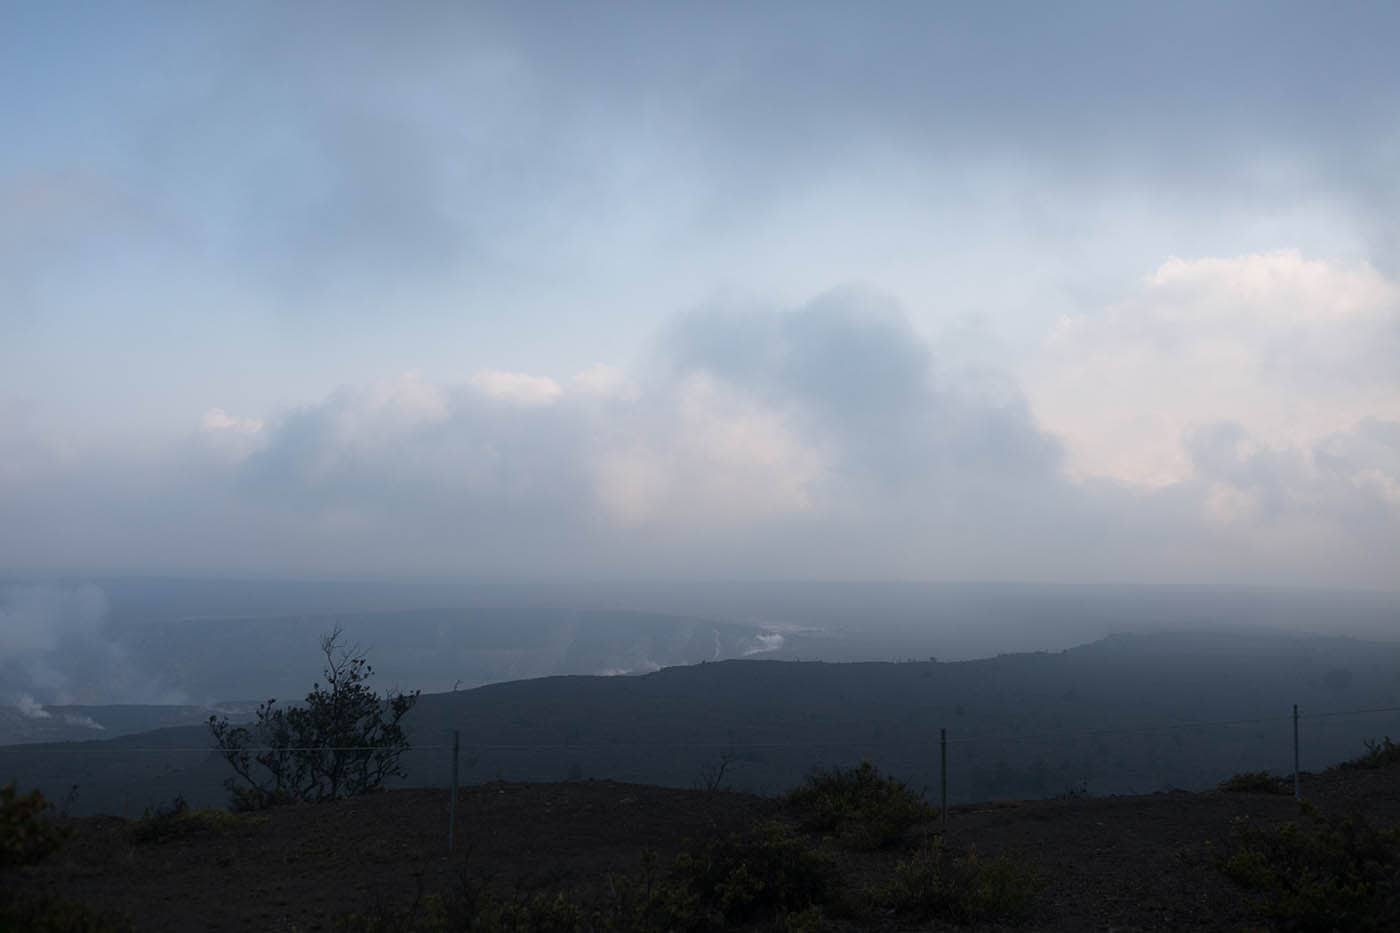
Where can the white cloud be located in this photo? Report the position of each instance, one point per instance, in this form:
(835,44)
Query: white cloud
(829,440)
(1292,349)
(230,437)
(216,420)
(407,400)
(606,382)
(718,459)
(517,388)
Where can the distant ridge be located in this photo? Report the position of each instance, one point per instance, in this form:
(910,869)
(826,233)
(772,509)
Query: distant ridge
(1021,725)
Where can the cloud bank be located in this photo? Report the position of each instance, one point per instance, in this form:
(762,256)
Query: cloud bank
(1292,349)
(1228,420)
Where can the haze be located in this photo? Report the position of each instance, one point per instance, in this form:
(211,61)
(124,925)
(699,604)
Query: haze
(1077,294)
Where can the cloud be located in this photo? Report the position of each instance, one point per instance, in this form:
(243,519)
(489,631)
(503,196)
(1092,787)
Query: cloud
(217,420)
(231,436)
(605,382)
(744,426)
(1289,348)
(25,451)
(490,445)
(1352,475)
(56,226)
(702,455)
(744,418)
(852,375)
(519,388)
(827,439)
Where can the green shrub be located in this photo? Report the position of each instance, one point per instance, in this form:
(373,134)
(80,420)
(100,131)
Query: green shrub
(533,913)
(861,807)
(1254,782)
(932,886)
(765,873)
(176,819)
(26,832)
(648,900)
(1324,873)
(810,920)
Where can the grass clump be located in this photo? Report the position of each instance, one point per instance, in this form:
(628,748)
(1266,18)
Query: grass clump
(1321,873)
(177,819)
(1254,782)
(934,886)
(861,807)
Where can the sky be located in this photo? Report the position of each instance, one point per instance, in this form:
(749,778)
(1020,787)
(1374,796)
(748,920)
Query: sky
(1080,292)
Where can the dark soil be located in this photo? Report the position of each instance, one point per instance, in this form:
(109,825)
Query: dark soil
(1121,863)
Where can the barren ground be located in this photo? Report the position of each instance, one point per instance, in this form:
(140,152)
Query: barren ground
(1123,863)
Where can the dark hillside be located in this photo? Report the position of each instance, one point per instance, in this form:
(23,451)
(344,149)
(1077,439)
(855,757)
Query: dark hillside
(1128,714)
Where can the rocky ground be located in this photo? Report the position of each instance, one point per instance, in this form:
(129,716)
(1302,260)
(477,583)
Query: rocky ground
(1121,863)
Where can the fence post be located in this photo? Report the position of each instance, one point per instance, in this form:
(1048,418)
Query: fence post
(943,778)
(1297,784)
(452,808)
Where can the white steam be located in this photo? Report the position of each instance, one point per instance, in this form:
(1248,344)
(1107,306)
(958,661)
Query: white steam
(31,708)
(57,648)
(86,722)
(767,642)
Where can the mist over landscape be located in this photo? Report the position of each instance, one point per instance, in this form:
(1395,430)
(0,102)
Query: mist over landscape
(1017,665)
(676,406)
(203,642)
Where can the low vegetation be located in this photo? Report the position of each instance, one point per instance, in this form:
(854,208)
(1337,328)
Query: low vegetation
(26,832)
(178,819)
(771,878)
(861,807)
(768,872)
(1255,782)
(1320,872)
(790,874)
(28,835)
(932,885)
(768,878)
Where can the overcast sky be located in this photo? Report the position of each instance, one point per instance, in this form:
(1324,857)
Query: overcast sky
(1071,292)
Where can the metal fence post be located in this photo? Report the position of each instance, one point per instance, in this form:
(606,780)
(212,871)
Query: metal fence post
(943,778)
(1297,782)
(452,808)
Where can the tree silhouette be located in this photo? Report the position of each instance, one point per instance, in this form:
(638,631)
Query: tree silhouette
(344,740)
